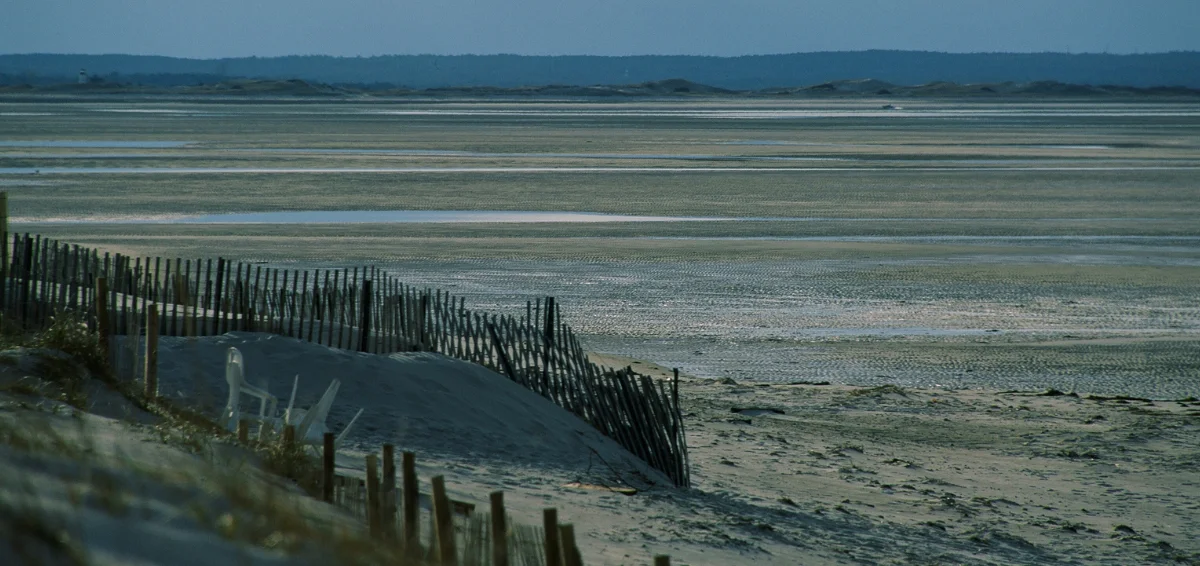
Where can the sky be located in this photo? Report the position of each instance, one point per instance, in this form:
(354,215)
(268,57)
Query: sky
(237,28)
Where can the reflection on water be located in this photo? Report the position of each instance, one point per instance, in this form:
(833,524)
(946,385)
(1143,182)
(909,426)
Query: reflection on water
(25,183)
(553,216)
(715,169)
(806,113)
(1004,240)
(873,145)
(376,217)
(452,153)
(798,114)
(142,110)
(1068,146)
(765,142)
(422,217)
(109,144)
(45,155)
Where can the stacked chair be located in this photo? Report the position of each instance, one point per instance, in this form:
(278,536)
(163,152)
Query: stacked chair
(309,423)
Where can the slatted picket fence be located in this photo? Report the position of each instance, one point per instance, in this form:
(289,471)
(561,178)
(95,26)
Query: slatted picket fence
(362,308)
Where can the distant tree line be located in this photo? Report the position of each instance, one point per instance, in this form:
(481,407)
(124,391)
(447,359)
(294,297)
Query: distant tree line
(737,73)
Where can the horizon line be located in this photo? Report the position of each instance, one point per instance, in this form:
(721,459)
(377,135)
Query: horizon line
(689,55)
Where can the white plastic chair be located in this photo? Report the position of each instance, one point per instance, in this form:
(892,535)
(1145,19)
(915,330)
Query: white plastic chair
(235,377)
(310,424)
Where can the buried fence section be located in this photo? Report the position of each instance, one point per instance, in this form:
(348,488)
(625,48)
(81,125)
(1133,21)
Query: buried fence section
(363,309)
(456,533)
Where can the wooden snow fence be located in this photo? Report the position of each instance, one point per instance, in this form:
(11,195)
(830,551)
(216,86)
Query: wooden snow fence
(362,308)
(430,527)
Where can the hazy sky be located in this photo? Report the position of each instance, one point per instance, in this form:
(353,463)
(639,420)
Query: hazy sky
(227,28)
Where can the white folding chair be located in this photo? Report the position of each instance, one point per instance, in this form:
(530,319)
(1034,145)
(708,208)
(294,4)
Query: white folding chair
(310,424)
(235,377)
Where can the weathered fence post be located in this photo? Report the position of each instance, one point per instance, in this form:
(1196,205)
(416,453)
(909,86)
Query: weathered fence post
(547,338)
(423,321)
(504,362)
(499,530)
(26,280)
(151,352)
(412,509)
(570,551)
(443,524)
(553,547)
(243,431)
(373,497)
(389,491)
(364,329)
(289,436)
(677,412)
(327,468)
(215,299)
(102,323)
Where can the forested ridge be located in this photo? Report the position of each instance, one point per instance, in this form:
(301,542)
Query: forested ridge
(506,71)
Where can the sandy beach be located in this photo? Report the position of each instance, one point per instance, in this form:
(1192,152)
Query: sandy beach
(801,473)
(941,267)
(826,474)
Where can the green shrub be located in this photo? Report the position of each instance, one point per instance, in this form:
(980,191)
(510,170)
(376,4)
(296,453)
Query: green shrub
(69,334)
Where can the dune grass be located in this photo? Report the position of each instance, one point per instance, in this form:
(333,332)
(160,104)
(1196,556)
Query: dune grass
(261,494)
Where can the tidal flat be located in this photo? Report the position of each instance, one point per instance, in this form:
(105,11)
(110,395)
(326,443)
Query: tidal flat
(1016,244)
